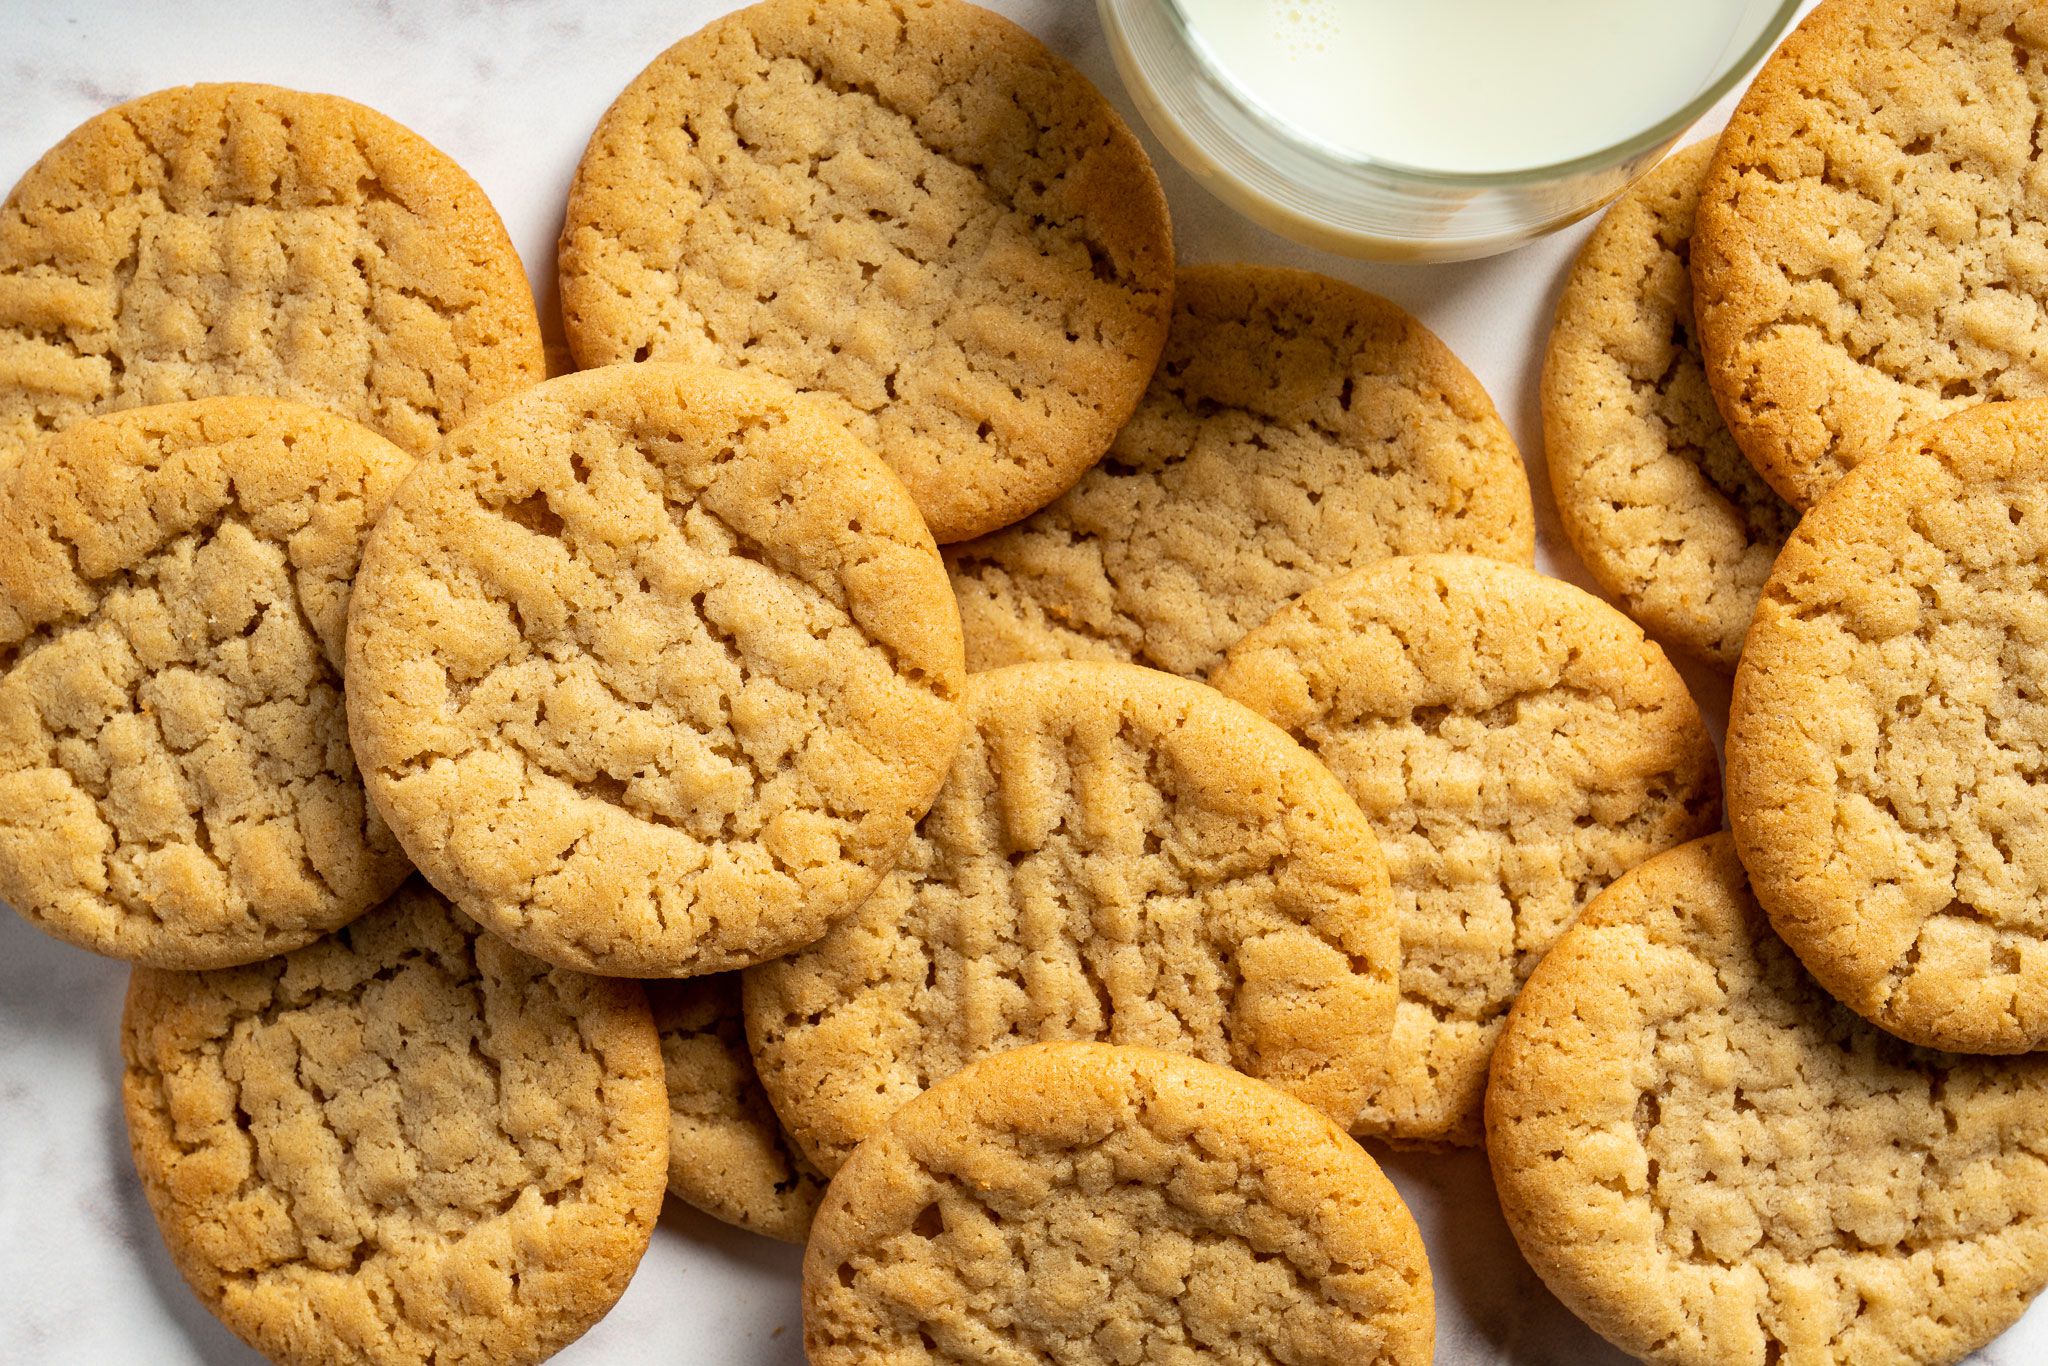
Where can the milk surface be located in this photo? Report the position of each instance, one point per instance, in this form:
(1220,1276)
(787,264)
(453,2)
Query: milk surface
(1473,85)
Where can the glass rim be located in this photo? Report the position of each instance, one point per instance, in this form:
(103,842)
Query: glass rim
(1660,133)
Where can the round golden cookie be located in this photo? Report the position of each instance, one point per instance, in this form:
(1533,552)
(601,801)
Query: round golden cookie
(1659,502)
(1710,1161)
(243,239)
(916,211)
(1889,731)
(406,1142)
(1297,427)
(1117,854)
(653,669)
(727,1154)
(1517,745)
(1869,254)
(176,786)
(1087,1203)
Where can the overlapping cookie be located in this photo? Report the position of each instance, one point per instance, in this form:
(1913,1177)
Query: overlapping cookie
(1298,427)
(176,784)
(245,239)
(654,669)
(1517,744)
(404,1142)
(1657,498)
(1868,255)
(1084,1202)
(1710,1161)
(1888,735)
(917,213)
(727,1153)
(1117,854)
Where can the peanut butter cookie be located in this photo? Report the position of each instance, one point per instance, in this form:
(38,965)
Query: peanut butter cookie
(1117,854)
(243,239)
(1659,502)
(176,786)
(406,1142)
(727,1154)
(1889,732)
(653,669)
(1084,1203)
(1517,745)
(1710,1161)
(1872,251)
(1297,427)
(915,211)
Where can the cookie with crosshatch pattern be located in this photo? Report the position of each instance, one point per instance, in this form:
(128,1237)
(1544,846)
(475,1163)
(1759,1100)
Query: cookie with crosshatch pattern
(915,211)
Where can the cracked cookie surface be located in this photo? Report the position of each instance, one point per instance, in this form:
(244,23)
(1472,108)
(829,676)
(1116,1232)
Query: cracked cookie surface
(1711,1161)
(245,239)
(653,669)
(1080,1203)
(1872,250)
(405,1142)
(727,1153)
(909,207)
(1659,501)
(1297,427)
(1888,736)
(1119,855)
(1517,745)
(176,785)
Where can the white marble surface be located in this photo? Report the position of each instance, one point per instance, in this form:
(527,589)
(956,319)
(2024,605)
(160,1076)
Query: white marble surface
(511,88)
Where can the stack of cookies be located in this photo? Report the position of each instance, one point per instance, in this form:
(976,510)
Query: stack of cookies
(951,740)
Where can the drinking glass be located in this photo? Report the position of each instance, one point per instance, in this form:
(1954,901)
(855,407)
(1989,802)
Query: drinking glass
(1356,205)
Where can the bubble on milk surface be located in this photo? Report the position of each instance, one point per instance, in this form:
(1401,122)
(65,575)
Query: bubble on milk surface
(1307,26)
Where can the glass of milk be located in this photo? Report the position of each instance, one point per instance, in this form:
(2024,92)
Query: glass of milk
(1429,130)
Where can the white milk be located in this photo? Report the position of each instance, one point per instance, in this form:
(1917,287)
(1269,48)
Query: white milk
(1473,85)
